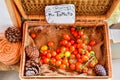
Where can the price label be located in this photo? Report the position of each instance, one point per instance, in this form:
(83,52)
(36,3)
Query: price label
(61,14)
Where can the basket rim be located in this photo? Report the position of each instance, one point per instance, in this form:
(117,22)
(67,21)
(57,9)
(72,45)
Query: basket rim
(42,17)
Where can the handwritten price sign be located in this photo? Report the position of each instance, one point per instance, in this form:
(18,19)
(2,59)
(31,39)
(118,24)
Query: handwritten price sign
(61,14)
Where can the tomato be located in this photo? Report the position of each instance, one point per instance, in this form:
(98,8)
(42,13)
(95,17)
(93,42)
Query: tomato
(53,53)
(61,55)
(73,29)
(48,55)
(67,54)
(79,41)
(89,48)
(72,56)
(80,60)
(64,60)
(44,52)
(72,66)
(63,49)
(68,44)
(72,41)
(66,37)
(87,54)
(58,50)
(62,66)
(58,63)
(75,34)
(50,44)
(46,60)
(80,50)
(53,61)
(64,42)
(92,53)
(79,67)
(75,52)
(33,35)
(72,48)
(85,70)
(75,45)
(85,58)
(80,32)
(57,57)
(92,43)
(84,37)
(78,56)
(44,47)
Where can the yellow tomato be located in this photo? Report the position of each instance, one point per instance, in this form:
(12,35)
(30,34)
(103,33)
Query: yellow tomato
(67,54)
(44,47)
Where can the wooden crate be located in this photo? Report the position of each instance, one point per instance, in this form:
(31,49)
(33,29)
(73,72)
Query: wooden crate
(88,13)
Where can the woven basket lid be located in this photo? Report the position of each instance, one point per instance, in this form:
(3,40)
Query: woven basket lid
(85,9)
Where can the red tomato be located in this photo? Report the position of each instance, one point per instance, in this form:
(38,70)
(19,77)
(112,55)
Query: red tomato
(75,52)
(64,42)
(50,44)
(72,66)
(80,32)
(93,63)
(68,44)
(63,49)
(85,70)
(78,56)
(58,63)
(46,60)
(33,35)
(80,50)
(62,66)
(72,48)
(85,58)
(75,34)
(53,61)
(79,41)
(72,28)
(49,55)
(72,56)
(53,53)
(92,43)
(84,37)
(44,52)
(72,41)
(58,50)
(87,54)
(79,67)
(80,60)
(57,57)
(66,37)
(65,61)
(89,48)
(41,61)
(75,45)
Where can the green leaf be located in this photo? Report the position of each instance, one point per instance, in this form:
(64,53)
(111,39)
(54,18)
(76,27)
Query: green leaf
(78,28)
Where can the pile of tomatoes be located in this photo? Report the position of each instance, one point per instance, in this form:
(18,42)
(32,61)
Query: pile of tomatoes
(73,53)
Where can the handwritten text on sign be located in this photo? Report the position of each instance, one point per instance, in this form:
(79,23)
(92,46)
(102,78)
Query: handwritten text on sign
(60,13)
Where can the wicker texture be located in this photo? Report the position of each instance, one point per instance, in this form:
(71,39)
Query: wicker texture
(30,8)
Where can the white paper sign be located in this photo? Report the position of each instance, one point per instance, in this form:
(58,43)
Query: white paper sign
(64,13)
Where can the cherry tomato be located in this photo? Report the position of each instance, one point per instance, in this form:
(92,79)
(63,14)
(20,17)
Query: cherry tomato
(50,44)
(66,37)
(75,45)
(72,56)
(57,57)
(79,41)
(84,37)
(62,66)
(78,56)
(65,61)
(72,28)
(63,49)
(33,35)
(64,42)
(79,67)
(41,61)
(75,52)
(68,44)
(75,34)
(80,60)
(89,48)
(80,32)
(58,50)
(72,66)
(72,48)
(67,54)
(87,54)
(53,61)
(53,53)
(93,63)
(44,52)
(72,41)
(92,43)
(46,60)
(49,55)
(44,47)
(58,63)
(85,58)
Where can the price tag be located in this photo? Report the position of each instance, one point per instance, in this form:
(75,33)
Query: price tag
(61,14)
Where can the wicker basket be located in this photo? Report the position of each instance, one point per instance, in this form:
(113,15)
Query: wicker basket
(88,13)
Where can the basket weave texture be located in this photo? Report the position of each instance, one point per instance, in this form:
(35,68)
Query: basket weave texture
(35,8)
